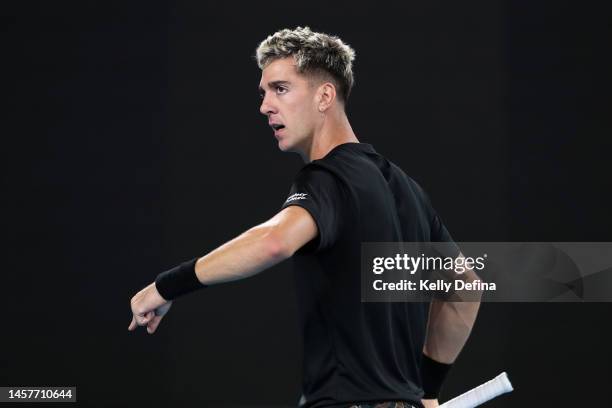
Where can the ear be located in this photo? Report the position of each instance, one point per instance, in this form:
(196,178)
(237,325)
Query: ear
(326,95)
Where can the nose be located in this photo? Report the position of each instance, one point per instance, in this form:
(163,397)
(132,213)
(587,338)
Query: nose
(266,107)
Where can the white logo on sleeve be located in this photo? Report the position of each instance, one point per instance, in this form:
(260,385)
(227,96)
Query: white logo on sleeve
(297,196)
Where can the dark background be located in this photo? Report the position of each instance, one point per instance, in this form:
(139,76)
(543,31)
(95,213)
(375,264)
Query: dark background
(132,141)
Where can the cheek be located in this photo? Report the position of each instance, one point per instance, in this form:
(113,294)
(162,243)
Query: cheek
(309,118)
(300,113)
(302,104)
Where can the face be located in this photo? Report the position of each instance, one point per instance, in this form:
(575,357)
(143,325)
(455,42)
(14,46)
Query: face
(289,101)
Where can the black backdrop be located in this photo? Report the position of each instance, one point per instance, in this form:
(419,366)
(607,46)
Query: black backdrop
(132,141)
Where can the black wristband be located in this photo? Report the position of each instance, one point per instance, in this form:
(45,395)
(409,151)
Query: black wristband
(178,281)
(433,374)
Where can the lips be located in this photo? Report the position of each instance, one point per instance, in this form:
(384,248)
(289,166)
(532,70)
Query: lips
(277,126)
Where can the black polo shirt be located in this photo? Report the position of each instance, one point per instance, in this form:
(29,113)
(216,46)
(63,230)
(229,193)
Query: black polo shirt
(353,351)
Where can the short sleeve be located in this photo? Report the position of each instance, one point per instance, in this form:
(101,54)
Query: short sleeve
(437,229)
(319,192)
(439,233)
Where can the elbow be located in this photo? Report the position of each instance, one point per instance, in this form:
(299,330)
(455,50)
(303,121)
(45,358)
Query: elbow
(276,247)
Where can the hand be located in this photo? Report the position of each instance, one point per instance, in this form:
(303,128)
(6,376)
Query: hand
(430,403)
(148,308)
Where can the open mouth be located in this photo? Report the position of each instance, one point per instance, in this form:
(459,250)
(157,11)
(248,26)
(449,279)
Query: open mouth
(277,126)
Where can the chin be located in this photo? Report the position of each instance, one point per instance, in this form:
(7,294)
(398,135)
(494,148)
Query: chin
(285,146)
(281,146)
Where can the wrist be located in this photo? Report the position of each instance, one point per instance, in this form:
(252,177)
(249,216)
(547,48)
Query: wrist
(178,281)
(433,374)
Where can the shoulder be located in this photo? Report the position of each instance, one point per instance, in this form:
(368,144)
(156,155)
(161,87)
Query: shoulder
(316,173)
(406,179)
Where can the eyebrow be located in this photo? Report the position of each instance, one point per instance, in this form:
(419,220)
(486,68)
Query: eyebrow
(272,85)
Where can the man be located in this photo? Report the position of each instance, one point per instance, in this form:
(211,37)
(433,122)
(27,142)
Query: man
(355,354)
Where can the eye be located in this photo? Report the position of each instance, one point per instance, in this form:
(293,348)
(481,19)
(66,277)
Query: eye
(281,90)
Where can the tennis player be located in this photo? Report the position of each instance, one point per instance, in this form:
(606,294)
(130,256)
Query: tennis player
(355,354)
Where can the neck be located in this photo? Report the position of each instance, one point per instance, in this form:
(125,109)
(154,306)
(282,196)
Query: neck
(334,130)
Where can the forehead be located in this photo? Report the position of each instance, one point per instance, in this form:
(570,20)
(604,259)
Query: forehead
(283,69)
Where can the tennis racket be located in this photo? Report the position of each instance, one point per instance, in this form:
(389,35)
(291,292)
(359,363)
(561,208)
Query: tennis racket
(481,394)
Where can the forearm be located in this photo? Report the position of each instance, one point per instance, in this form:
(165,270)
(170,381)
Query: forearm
(244,256)
(250,253)
(448,328)
(450,323)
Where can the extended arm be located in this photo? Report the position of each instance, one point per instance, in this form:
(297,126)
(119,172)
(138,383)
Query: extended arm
(258,248)
(248,254)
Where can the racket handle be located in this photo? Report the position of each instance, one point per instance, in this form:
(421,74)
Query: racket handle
(481,394)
